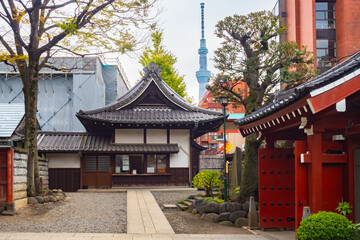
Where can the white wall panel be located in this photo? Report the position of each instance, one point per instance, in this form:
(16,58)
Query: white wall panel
(129,136)
(182,138)
(156,135)
(63,160)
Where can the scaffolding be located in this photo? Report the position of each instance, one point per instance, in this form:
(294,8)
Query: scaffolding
(87,84)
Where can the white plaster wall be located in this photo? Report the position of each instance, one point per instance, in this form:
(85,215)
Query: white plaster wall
(129,136)
(156,135)
(182,138)
(63,160)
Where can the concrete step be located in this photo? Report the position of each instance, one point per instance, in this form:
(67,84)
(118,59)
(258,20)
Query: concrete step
(187,203)
(182,207)
(191,200)
(198,198)
(170,206)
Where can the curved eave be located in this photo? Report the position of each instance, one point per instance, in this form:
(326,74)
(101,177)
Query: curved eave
(291,114)
(92,124)
(335,84)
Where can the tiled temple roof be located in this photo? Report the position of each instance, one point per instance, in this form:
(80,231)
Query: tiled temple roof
(75,142)
(166,107)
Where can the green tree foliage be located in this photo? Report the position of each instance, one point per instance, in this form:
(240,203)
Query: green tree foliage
(34,31)
(166,60)
(327,226)
(250,54)
(207,180)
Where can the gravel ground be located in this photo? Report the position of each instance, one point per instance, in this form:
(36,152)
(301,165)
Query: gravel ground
(186,223)
(82,213)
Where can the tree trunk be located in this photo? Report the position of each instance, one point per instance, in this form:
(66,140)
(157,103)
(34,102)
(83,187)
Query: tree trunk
(30,81)
(249,183)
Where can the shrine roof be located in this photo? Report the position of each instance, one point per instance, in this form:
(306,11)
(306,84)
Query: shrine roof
(150,101)
(328,80)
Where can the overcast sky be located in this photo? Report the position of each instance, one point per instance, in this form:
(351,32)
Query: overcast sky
(181,22)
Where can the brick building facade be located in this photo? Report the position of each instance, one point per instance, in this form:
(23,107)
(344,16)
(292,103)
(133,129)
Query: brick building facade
(328,28)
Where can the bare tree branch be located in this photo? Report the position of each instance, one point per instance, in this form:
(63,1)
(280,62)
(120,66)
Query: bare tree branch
(82,20)
(13,23)
(7,46)
(44,6)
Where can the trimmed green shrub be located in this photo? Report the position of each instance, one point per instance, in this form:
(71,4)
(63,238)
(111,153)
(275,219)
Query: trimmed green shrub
(215,199)
(207,180)
(327,226)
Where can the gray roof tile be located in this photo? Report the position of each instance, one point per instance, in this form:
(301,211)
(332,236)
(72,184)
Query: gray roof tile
(75,142)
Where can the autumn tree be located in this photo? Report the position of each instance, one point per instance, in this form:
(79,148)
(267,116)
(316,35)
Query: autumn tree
(33,31)
(251,54)
(166,60)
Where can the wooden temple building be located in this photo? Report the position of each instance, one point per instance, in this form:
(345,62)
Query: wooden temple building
(144,138)
(321,168)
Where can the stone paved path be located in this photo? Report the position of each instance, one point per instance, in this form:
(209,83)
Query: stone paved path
(144,214)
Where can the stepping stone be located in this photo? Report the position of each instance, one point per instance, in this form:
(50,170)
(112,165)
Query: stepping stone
(170,206)
(198,198)
(187,203)
(191,200)
(182,207)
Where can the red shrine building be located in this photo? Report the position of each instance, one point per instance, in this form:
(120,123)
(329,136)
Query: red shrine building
(328,28)
(321,118)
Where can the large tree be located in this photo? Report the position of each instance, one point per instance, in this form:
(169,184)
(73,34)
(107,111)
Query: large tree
(166,60)
(34,30)
(251,54)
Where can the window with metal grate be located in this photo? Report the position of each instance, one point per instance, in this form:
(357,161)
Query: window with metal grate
(103,163)
(90,164)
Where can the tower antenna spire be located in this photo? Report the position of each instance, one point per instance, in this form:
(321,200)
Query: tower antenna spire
(202,20)
(203,74)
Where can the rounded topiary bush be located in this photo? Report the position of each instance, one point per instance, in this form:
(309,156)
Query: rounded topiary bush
(327,225)
(207,180)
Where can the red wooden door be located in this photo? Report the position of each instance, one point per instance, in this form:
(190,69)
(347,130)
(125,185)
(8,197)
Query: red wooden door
(301,180)
(3,175)
(276,188)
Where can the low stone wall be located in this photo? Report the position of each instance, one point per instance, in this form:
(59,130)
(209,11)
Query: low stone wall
(20,177)
(226,213)
(20,172)
(215,163)
(44,172)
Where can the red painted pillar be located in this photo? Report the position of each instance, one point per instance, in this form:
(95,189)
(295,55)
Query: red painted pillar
(350,177)
(301,182)
(315,172)
(10,184)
